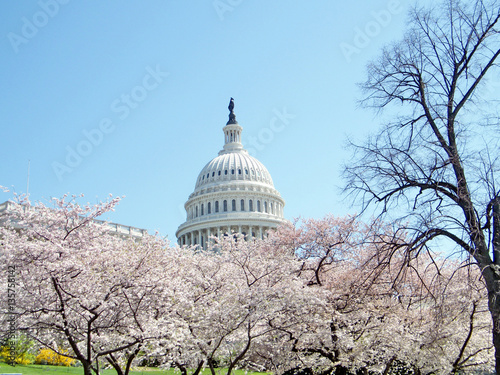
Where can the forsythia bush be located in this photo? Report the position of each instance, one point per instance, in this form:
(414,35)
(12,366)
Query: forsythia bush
(49,357)
(18,350)
(22,358)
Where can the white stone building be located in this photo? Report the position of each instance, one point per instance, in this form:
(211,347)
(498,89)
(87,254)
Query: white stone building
(234,193)
(7,208)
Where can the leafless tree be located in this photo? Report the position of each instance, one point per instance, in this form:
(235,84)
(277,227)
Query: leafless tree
(433,168)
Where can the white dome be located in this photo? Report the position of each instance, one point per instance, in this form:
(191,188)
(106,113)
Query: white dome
(233,166)
(234,193)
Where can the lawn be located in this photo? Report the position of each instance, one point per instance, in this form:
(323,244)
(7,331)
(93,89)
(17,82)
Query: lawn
(61,370)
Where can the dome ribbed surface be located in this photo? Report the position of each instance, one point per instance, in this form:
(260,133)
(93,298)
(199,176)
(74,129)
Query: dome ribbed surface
(233,166)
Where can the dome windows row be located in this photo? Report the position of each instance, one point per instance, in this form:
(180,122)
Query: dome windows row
(234,205)
(231,173)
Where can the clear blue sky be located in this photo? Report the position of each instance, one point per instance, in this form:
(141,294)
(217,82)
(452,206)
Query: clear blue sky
(130,98)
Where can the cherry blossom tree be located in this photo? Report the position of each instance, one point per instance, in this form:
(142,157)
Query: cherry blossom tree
(242,292)
(81,287)
(427,314)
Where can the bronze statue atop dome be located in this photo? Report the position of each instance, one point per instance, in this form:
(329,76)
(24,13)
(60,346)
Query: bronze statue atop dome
(232,116)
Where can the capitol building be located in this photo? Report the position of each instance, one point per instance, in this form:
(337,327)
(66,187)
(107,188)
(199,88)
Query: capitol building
(234,193)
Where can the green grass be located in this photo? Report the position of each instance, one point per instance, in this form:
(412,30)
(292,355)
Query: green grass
(61,370)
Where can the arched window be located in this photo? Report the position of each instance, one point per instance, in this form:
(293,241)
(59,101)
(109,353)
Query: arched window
(209,208)
(242,205)
(232,171)
(265,207)
(216,206)
(225,172)
(239,171)
(202,209)
(233,205)
(196,211)
(258,206)
(272,208)
(219,173)
(250,205)
(225,206)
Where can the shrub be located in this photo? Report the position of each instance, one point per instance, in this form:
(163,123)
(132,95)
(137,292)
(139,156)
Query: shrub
(47,356)
(18,351)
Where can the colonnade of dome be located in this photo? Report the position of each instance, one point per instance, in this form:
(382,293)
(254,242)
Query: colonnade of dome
(234,193)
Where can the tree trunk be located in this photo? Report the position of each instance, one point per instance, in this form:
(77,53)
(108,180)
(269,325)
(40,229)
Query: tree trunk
(211,366)
(389,365)
(491,274)
(241,355)
(181,367)
(87,370)
(492,278)
(115,364)
(130,359)
(199,368)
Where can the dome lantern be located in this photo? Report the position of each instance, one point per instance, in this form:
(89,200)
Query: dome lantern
(232,132)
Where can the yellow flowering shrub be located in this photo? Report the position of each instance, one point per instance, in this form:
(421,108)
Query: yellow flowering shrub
(50,357)
(22,358)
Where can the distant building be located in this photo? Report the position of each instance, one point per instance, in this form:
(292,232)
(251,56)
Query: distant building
(119,229)
(234,193)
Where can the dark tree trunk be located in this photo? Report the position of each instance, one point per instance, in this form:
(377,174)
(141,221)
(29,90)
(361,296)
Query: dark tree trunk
(87,369)
(111,359)
(181,367)
(211,366)
(492,278)
(199,368)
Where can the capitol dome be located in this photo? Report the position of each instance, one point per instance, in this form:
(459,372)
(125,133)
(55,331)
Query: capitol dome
(233,166)
(234,193)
